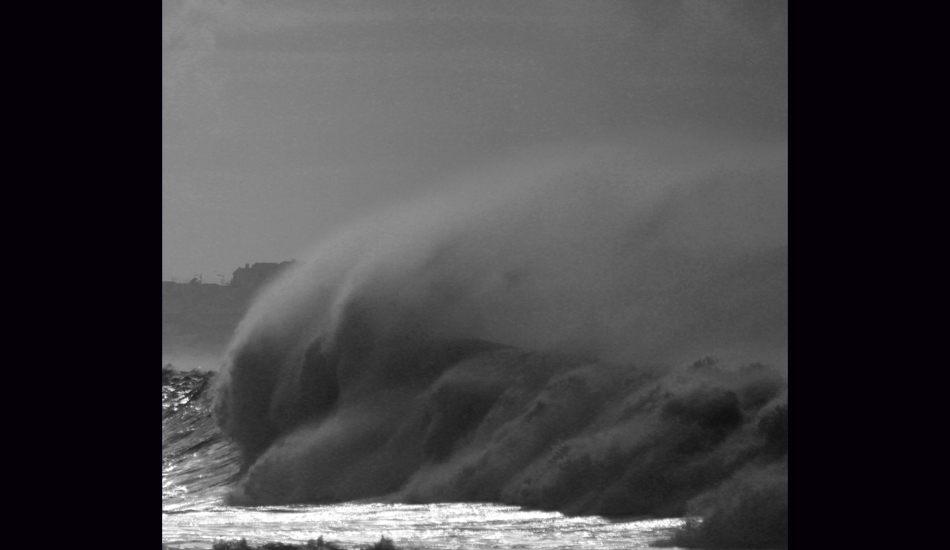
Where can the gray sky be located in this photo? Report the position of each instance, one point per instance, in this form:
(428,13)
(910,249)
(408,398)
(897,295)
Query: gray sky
(282,121)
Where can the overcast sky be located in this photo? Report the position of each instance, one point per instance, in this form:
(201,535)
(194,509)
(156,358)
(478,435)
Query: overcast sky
(283,121)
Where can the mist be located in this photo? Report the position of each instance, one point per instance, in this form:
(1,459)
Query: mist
(542,250)
(286,121)
(585,309)
(647,252)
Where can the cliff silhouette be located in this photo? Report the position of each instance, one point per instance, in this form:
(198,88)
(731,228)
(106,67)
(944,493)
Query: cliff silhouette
(199,318)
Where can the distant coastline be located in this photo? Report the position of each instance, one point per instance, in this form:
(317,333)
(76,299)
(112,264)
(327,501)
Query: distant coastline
(199,318)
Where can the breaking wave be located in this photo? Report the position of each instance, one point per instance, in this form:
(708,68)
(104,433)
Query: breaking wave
(545,340)
(196,460)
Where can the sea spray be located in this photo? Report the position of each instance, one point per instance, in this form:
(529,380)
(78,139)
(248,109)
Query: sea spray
(523,342)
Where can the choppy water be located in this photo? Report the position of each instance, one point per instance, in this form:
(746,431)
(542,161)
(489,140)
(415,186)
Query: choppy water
(427,526)
(198,466)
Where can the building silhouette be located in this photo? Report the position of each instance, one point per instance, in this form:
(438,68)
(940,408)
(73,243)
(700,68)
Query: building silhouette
(201,317)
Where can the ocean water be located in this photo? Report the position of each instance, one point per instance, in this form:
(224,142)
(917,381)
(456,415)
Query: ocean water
(602,338)
(198,466)
(199,469)
(424,526)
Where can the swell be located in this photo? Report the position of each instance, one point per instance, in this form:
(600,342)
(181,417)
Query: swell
(196,459)
(532,345)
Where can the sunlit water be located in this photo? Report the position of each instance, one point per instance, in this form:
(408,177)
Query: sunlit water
(428,526)
(198,468)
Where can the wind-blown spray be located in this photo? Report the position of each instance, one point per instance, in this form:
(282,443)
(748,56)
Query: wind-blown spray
(524,340)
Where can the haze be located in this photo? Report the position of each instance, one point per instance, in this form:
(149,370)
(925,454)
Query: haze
(284,121)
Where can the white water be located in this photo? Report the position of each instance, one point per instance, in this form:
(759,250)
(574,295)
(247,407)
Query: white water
(423,526)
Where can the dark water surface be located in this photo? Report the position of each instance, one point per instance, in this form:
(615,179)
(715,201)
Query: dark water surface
(198,466)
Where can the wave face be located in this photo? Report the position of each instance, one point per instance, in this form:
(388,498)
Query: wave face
(531,343)
(197,463)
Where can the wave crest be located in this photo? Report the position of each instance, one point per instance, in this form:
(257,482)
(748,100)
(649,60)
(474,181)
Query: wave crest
(523,344)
